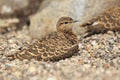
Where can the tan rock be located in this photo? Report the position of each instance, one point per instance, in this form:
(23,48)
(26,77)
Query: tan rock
(44,21)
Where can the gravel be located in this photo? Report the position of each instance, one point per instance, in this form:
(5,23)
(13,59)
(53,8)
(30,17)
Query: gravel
(98,59)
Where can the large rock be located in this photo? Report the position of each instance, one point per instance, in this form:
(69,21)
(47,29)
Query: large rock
(9,6)
(14,13)
(44,22)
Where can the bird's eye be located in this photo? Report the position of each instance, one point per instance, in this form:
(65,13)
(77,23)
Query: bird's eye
(66,22)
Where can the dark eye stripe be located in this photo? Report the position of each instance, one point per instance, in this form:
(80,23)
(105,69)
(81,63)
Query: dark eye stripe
(66,22)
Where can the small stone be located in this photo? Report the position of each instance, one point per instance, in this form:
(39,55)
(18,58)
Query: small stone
(107,65)
(94,43)
(32,69)
(17,74)
(51,78)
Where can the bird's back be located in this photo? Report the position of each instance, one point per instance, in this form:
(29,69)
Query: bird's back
(108,20)
(53,47)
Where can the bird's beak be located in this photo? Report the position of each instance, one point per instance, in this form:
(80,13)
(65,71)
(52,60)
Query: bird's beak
(75,21)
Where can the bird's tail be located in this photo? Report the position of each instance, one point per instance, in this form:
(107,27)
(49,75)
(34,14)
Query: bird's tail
(21,55)
(12,57)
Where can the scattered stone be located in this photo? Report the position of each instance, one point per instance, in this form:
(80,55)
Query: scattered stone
(98,59)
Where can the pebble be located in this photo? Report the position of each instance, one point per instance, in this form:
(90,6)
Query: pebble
(98,58)
(32,69)
(51,78)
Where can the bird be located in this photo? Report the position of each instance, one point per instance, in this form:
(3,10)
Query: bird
(61,44)
(109,20)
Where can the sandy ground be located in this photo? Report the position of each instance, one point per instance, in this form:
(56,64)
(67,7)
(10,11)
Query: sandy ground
(98,59)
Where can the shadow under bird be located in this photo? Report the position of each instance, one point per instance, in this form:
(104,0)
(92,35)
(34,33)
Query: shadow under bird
(56,46)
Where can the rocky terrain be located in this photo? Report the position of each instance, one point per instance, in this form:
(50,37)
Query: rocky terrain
(98,58)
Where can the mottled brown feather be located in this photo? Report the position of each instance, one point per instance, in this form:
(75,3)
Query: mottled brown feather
(53,47)
(108,20)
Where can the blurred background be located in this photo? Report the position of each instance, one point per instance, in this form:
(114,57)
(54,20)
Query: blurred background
(41,15)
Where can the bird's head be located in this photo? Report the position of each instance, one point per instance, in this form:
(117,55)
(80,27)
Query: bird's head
(65,24)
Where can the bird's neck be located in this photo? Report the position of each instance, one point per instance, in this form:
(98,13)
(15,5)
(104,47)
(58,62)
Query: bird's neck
(71,36)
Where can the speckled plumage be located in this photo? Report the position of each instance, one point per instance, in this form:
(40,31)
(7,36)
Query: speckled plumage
(53,47)
(108,20)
